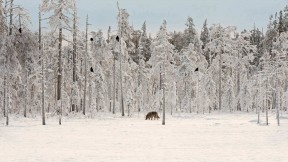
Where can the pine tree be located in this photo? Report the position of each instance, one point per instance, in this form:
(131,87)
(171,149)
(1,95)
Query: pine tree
(144,45)
(281,27)
(58,21)
(126,45)
(190,32)
(162,63)
(285,18)
(204,34)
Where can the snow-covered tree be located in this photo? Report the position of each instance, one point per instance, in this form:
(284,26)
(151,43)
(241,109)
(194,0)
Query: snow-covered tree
(59,20)
(144,45)
(163,70)
(204,35)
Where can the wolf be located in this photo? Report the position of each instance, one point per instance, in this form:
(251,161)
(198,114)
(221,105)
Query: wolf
(152,115)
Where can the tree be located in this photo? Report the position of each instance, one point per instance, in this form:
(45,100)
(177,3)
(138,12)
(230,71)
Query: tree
(162,63)
(74,31)
(281,27)
(59,20)
(124,33)
(144,45)
(190,32)
(221,52)
(3,34)
(204,34)
(85,66)
(285,18)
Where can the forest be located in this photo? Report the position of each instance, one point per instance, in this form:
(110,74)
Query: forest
(63,71)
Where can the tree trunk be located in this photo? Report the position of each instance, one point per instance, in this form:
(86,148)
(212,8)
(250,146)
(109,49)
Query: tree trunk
(4,93)
(220,79)
(266,101)
(43,90)
(114,84)
(85,67)
(7,62)
(277,100)
(197,102)
(238,107)
(40,46)
(121,79)
(59,78)
(163,120)
(74,54)
(190,98)
(26,77)
(8,103)
(90,98)
(163,87)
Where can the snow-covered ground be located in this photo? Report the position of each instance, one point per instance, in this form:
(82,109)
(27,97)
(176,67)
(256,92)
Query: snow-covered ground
(186,138)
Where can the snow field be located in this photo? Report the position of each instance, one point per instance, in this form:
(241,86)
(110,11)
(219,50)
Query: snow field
(184,138)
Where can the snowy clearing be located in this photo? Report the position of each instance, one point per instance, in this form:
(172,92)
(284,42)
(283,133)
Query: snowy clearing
(212,137)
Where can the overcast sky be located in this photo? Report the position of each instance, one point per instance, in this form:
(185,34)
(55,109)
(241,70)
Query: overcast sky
(240,13)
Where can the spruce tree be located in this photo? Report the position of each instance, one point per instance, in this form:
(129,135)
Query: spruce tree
(281,23)
(204,34)
(190,32)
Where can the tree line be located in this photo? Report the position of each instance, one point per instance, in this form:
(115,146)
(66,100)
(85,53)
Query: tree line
(129,71)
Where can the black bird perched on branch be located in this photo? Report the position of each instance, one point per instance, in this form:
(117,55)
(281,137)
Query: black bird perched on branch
(20,30)
(197,69)
(117,38)
(91,39)
(91,69)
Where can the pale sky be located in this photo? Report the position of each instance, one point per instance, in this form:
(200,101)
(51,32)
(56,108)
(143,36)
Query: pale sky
(103,13)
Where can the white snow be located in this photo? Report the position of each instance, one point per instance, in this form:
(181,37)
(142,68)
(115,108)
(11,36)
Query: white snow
(184,138)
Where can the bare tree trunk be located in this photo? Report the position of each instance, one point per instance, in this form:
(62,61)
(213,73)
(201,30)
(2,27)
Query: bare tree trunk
(59,78)
(163,87)
(74,53)
(190,98)
(25,87)
(26,76)
(238,107)
(7,61)
(97,98)
(8,103)
(4,93)
(266,101)
(277,99)
(220,80)
(40,46)
(197,103)
(85,67)
(43,90)
(257,101)
(114,84)
(90,97)
(164,100)
(121,80)
(120,56)
(80,85)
